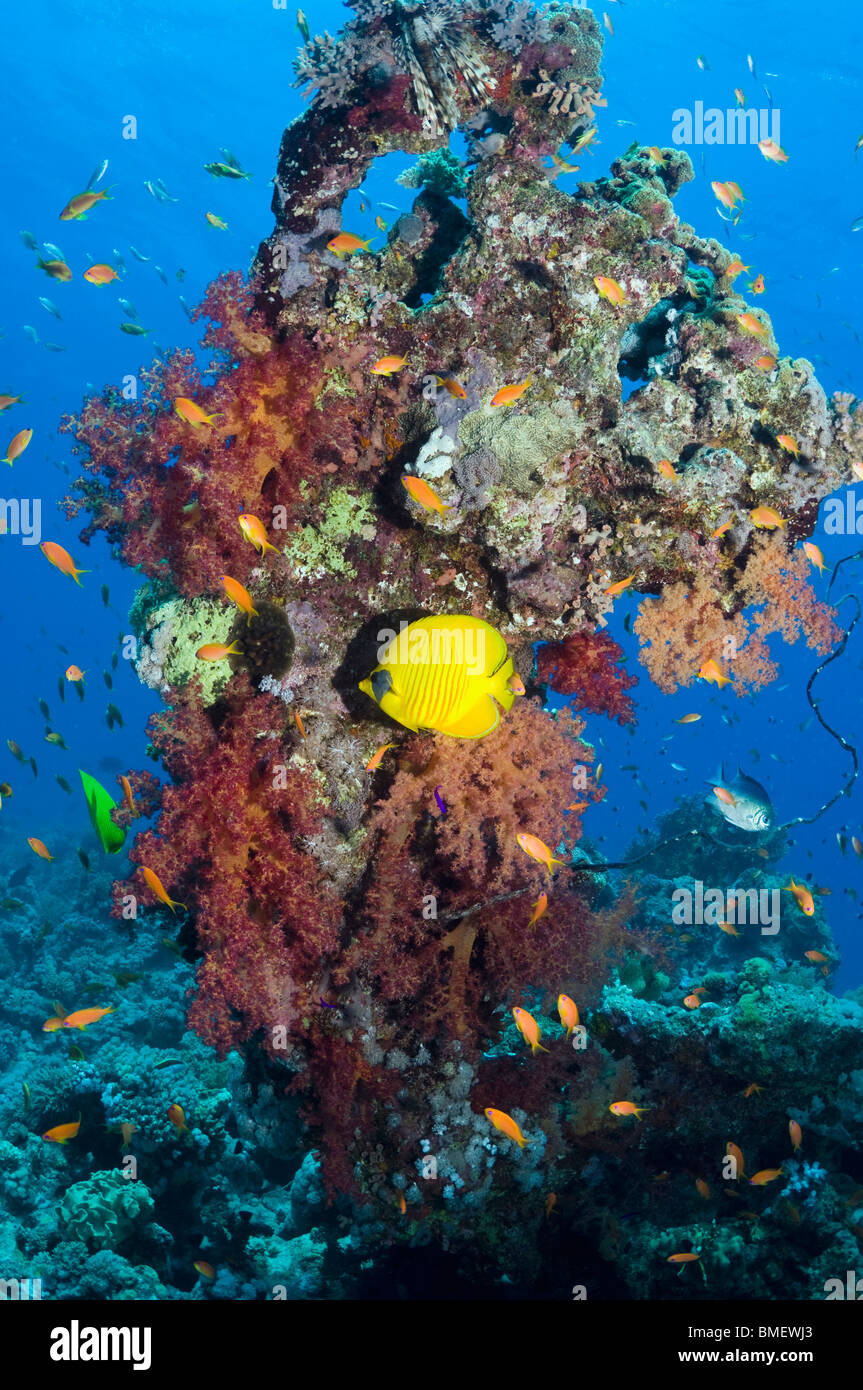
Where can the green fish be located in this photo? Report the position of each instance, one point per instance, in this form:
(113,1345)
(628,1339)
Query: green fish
(12,904)
(61,781)
(56,738)
(15,750)
(134,329)
(100,804)
(225,171)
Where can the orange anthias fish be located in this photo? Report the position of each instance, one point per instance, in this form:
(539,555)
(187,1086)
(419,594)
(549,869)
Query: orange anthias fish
(728,194)
(424,495)
(817,957)
(217,651)
(789,444)
(729,927)
(529,1029)
(537,850)
(765,1175)
(736,1153)
(720,530)
(77,207)
(767,519)
(765,363)
(619,587)
(53,1025)
(803,897)
(757,286)
(74,673)
(455,388)
(550,1203)
(61,1134)
(741,99)
(192,413)
(82,1018)
(666,468)
(712,673)
(375,760)
(7,401)
(154,883)
(724,795)
(507,1125)
(735,268)
(692,1001)
(568,1012)
(750,324)
(100,274)
(628,1107)
(39,848)
(814,555)
(254,531)
(540,908)
(346,243)
(385,366)
(703,1189)
(772,151)
(508,395)
(752,1089)
(177,1116)
(127,795)
(127,1129)
(684,1257)
(205,1269)
(240,596)
(17,444)
(610,289)
(61,560)
(796,1134)
(688,719)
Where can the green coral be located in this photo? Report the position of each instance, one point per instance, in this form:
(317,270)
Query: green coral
(175,631)
(316,551)
(439,171)
(337,384)
(525,444)
(103,1210)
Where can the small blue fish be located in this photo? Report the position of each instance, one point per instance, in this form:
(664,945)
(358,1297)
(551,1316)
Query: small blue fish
(326,1006)
(437,798)
(50,306)
(128,308)
(31,333)
(53,251)
(161,274)
(139,255)
(30,242)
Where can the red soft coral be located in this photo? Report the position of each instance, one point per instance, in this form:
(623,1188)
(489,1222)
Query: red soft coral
(584,665)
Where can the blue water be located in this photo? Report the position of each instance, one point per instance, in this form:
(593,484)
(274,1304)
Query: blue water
(203,75)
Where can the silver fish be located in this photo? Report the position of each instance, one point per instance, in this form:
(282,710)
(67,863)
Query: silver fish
(54,347)
(98,174)
(751,811)
(138,254)
(53,251)
(165,195)
(119,262)
(161,274)
(50,306)
(128,308)
(31,333)
(30,241)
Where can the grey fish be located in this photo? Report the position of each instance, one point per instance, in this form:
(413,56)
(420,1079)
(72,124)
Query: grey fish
(186,310)
(53,251)
(30,242)
(134,329)
(128,308)
(162,193)
(161,274)
(50,306)
(119,262)
(54,347)
(751,811)
(139,255)
(31,333)
(98,174)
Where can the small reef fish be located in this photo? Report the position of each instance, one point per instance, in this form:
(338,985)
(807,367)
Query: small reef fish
(77,208)
(795,1134)
(729,928)
(192,413)
(39,848)
(688,719)
(692,1001)
(50,306)
(610,289)
(375,760)
(764,1176)
(56,270)
(74,673)
(802,896)
(217,651)
(757,286)
(127,1129)
(17,444)
(537,849)
(750,808)
(724,795)
(15,750)
(740,98)
(240,596)
(61,560)
(814,555)
(529,1029)
(127,795)
(57,739)
(380,223)
(750,324)
(540,908)
(728,194)
(220,170)
(215,221)
(134,330)
(254,531)
(568,1013)
(773,152)
(100,274)
(452,387)
(736,1153)
(53,1024)
(507,1125)
(205,1270)
(299,723)
(439,799)
(683,1257)
(816,957)
(628,1107)
(765,363)
(154,883)
(448,673)
(767,519)
(61,1134)
(788,443)
(82,1018)
(734,268)
(703,1189)
(345,244)
(619,587)
(752,1089)
(177,1116)
(712,673)
(6,401)
(666,468)
(508,395)
(424,495)
(385,366)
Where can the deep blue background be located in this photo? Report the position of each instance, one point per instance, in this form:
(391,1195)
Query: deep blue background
(203,75)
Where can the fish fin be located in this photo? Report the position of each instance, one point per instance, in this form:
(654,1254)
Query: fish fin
(478,721)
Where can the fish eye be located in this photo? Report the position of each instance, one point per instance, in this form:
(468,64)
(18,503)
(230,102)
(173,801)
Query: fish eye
(381,683)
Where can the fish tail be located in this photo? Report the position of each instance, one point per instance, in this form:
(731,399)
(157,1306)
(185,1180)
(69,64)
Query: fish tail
(538,1047)
(77,580)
